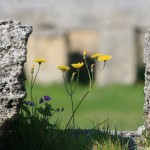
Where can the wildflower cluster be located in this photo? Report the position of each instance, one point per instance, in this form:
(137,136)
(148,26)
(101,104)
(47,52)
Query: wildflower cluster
(98,57)
(43,108)
(44,99)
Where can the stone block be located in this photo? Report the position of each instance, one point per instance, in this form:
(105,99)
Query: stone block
(13,41)
(120,43)
(83,39)
(53,49)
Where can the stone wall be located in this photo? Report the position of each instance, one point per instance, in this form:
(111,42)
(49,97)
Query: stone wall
(13,41)
(53,49)
(120,42)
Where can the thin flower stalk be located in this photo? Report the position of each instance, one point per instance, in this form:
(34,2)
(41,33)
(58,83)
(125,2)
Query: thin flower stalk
(84,57)
(66,84)
(32,72)
(33,81)
(72,92)
(78,72)
(77,108)
(90,87)
(92,73)
(72,105)
(98,57)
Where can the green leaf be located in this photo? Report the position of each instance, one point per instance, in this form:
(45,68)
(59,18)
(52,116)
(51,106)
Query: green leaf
(25,109)
(41,110)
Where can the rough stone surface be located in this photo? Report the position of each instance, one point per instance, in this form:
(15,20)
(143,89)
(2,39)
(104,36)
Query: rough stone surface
(147,81)
(13,41)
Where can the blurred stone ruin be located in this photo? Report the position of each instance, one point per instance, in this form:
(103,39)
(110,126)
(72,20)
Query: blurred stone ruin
(13,41)
(123,43)
(62,30)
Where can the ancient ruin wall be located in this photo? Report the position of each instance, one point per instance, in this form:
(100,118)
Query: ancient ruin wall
(13,41)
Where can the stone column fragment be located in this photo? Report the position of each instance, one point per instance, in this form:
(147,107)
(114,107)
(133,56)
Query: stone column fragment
(147,81)
(13,41)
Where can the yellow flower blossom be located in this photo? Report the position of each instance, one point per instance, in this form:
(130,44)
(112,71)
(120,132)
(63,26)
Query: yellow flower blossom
(95,56)
(40,60)
(104,57)
(63,68)
(78,65)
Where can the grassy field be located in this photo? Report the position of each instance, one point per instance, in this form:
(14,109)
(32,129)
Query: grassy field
(122,105)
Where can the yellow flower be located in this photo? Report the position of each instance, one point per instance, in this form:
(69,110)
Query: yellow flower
(40,60)
(78,65)
(95,56)
(63,68)
(104,57)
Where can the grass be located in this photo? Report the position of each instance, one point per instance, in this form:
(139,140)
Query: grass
(33,132)
(122,104)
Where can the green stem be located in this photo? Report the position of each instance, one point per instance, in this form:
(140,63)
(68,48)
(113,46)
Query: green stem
(66,85)
(92,77)
(33,81)
(71,95)
(77,107)
(76,82)
(31,87)
(88,72)
(72,105)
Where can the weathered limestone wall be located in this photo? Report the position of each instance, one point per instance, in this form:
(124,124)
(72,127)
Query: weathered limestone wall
(13,41)
(147,81)
(81,39)
(53,49)
(56,50)
(118,41)
(123,66)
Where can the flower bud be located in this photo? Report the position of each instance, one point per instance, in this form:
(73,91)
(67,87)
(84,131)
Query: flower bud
(32,69)
(72,77)
(84,54)
(92,67)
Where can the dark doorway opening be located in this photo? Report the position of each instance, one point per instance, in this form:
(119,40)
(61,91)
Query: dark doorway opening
(75,58)
(139,45)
